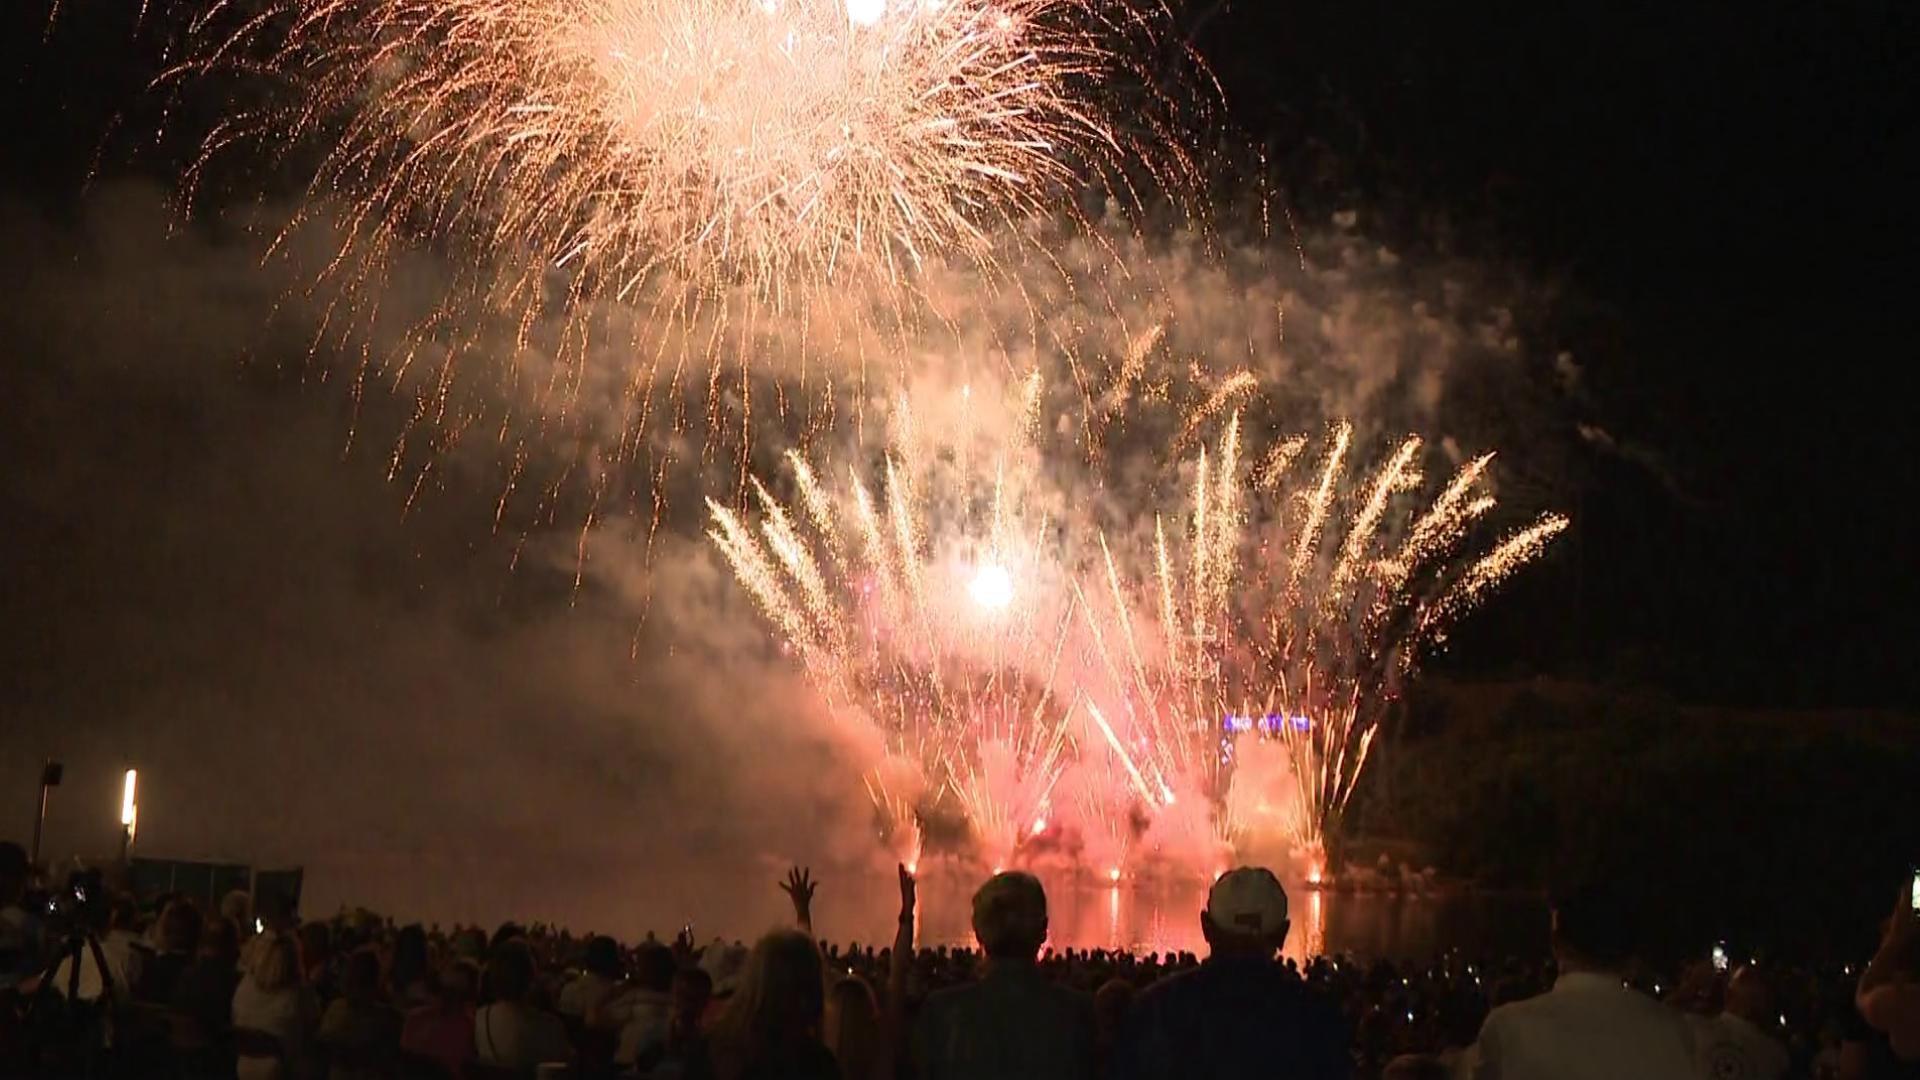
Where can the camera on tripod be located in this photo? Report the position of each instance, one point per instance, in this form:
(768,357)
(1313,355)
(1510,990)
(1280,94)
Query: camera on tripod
(78,907)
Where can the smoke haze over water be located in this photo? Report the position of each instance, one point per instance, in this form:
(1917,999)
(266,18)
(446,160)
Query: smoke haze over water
(215,583)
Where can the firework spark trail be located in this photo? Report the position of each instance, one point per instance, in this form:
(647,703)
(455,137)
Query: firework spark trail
(736,139)
(1299,648)
(1395,476)
(1493,568)
(687,173)
(1318,504)
(965,699)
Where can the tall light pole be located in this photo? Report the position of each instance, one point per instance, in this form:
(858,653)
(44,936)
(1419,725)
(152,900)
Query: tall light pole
(50,774)
(129,816)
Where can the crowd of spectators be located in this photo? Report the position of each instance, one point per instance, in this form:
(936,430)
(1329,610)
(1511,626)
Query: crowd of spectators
(108,987)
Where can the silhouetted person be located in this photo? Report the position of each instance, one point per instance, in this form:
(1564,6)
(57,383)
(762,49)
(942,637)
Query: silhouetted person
(1590,1026)
(359,1032)
(1888,996)
(441,1031)
(274,1014)
(203,998)
(1013,1024)
(1737,1044)
(179,936)
(1241,1013)
(856,1032)
(771,1028)
(640,1011)
(410,979)
(511,1031)
(599,979)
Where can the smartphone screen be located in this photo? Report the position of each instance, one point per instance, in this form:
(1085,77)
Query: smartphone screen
(1913,891)
(1720,957)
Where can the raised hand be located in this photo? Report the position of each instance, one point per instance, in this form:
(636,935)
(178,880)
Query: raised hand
(799,887)
(906,892)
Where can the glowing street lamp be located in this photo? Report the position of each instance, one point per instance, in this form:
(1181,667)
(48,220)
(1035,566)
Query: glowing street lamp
(129,813)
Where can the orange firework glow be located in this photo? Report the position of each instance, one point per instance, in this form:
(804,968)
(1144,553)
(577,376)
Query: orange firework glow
(1286,618)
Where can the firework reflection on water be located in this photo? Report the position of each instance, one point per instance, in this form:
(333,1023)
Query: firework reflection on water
(1152,915)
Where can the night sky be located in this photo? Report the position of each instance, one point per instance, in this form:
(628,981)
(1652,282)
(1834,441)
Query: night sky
(1704,204)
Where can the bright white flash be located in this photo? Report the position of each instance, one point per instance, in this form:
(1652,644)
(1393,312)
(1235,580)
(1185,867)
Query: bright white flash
(992,588)
(866,12)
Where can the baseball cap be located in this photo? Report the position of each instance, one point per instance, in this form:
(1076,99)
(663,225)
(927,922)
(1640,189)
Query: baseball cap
(1247,900)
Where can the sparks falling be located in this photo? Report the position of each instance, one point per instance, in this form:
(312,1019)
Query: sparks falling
(915,635)
(730,140)
(635,195)
(1285,612)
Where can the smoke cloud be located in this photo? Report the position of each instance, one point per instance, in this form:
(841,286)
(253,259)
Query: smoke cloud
(295,598)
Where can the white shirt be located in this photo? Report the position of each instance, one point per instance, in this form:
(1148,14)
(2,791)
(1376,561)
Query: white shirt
(289,1014)
(585,994)
(645,1026)
(1730,1047)
(519,1037)
(1589,1027)
(123,957)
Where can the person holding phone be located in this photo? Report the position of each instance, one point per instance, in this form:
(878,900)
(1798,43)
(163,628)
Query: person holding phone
(1889,991)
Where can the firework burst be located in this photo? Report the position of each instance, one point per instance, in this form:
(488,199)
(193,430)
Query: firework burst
(921,635)
(760,141)
(635,197)
(1286,613)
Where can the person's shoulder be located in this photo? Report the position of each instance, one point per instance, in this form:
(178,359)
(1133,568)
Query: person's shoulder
(1156,994)
(1521,1012)
(1070,999)
(945,998)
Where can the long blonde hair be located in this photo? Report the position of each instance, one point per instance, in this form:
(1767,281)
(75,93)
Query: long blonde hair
(271,961)
(780,1001)
(855,1031)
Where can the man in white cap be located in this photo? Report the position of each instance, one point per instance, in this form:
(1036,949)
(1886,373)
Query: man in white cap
(1241,1013)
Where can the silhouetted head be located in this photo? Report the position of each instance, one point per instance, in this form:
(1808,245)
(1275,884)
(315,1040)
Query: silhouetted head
(692,989)
(409,957)
(1246,913)
(780,1001)
(1592,929)
(851,1028)
(602,957)
(457,982)
(1010,916)
(360,979)
(180,928)
(220,942)
(653,967)
(237,908)
(510,970)
(316,946)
